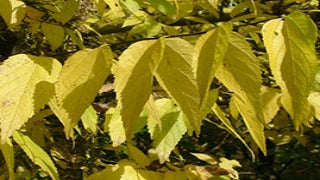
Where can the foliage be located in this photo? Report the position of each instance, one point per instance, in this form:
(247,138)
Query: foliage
(163,89)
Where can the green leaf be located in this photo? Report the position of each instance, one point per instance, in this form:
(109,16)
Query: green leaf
(54,34)
(89,120)
(133,79)
(12,12)
(173,128)
(210,50)
(240,73)
(67,11)
(271,103)
(26,85)
(8,154)
(36,154)
(82,75)
(221,115)
(176,76)
(164,6)
(296,67)
(124,170)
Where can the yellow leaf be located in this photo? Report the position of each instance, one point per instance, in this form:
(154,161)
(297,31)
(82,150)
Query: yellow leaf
(233,108)
(175,175)
(229,165)
(293,62)
(8,154)
(214,3)
(152,110)
(12,12)
(80,80)
(125,170)
(314,100)
(26,85)
(67,11)
(183,9)
(271,103)
(173,129)
(54,34)
(138,156)
(274,42)
(210,50)
(36,154)
(204,172)
(206,158)
(133,79)
(176,76)
(115,127)
(221,115)
(34,13)
(89,120)
(240,73)
(210,99)
(164,6)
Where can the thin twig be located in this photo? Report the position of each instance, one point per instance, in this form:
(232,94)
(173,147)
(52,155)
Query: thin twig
(155,38)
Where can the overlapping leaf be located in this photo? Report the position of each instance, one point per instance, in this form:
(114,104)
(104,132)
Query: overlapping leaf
(80,80)
(209,53)
(240,73)
(173,127)
(293,62)
(12,11)
(26,85)
(176,76)
(36,154)
(133,79)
